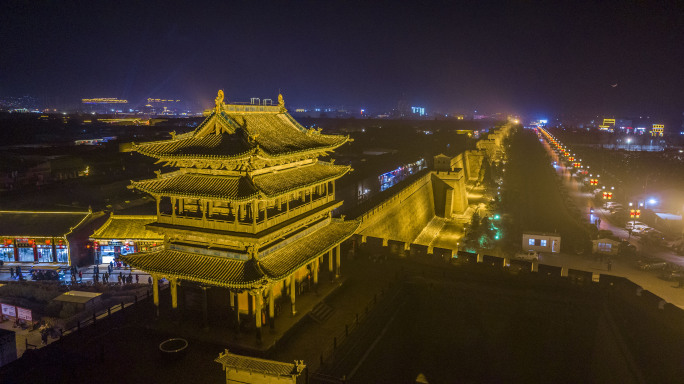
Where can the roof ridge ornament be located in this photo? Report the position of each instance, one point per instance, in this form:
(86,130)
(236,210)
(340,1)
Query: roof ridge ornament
(219,101)
(281,103)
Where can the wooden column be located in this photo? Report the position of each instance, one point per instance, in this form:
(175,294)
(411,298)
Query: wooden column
(338,258)
(155,293)
(255,213)
(236,307)
(173,285)
(271,308)
(174,201)
(205,308)
(293,294)
(203,208)
(257,315)
(315,272)
(157,198)
(330,260)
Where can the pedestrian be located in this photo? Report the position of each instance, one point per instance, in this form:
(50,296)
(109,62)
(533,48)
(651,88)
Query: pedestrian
(149,280)
(137,278)
(119,279)
(12,272)
(80,276)
(111,265)
(130,279)
(44,336)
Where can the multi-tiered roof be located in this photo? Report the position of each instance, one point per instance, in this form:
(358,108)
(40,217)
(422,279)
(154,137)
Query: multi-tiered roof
(250,202)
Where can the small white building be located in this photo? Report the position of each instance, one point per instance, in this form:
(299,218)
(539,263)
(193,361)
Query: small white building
(541,242)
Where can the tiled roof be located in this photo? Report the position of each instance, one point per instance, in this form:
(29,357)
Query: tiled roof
(228,272)
(283,262)
(239,188)
(275,183)
(276,134)
(127,227)
(197,185)
(253,364)
(209,146)
(214,270)
(38,224)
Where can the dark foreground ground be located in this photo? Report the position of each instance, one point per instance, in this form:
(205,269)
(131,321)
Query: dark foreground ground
(466,323)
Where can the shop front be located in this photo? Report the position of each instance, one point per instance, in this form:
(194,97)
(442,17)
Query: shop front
(46,237)
(124,234)
(109,251)
(34,250)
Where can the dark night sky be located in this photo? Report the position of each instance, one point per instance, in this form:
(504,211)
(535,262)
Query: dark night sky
(546,57)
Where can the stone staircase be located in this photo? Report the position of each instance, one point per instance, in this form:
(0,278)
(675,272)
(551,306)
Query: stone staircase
(321,312)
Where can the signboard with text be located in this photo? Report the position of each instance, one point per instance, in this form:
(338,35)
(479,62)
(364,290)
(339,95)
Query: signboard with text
(24,314)
(9,310)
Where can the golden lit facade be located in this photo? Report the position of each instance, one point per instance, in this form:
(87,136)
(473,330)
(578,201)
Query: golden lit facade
(248,208)
(657,130)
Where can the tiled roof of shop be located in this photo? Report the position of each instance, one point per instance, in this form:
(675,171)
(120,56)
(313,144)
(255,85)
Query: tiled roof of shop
(38,224)
(127,227)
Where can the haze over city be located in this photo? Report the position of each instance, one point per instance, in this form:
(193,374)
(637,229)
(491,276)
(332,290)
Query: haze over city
(334,192)
(526,57)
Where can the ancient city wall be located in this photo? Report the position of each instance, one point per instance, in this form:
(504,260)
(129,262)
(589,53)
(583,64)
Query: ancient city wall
(404,215)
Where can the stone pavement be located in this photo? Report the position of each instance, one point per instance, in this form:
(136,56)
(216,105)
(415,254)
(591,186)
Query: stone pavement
(32,338)
(620,266)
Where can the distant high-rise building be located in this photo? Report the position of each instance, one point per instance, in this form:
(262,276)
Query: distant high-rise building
(420,111)
(657,130)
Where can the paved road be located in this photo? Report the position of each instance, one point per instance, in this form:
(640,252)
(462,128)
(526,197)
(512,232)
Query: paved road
(585,202)
(621,266)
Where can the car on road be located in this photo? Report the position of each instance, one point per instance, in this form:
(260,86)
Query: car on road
(626,248)
(632,224)
(529,256)
(639,230)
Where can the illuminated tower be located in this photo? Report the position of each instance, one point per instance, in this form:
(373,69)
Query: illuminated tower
(249,208)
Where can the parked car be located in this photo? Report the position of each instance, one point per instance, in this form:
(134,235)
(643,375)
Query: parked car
(529,256)
(651,264)
(673,274)
(626,248)
(46,273)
